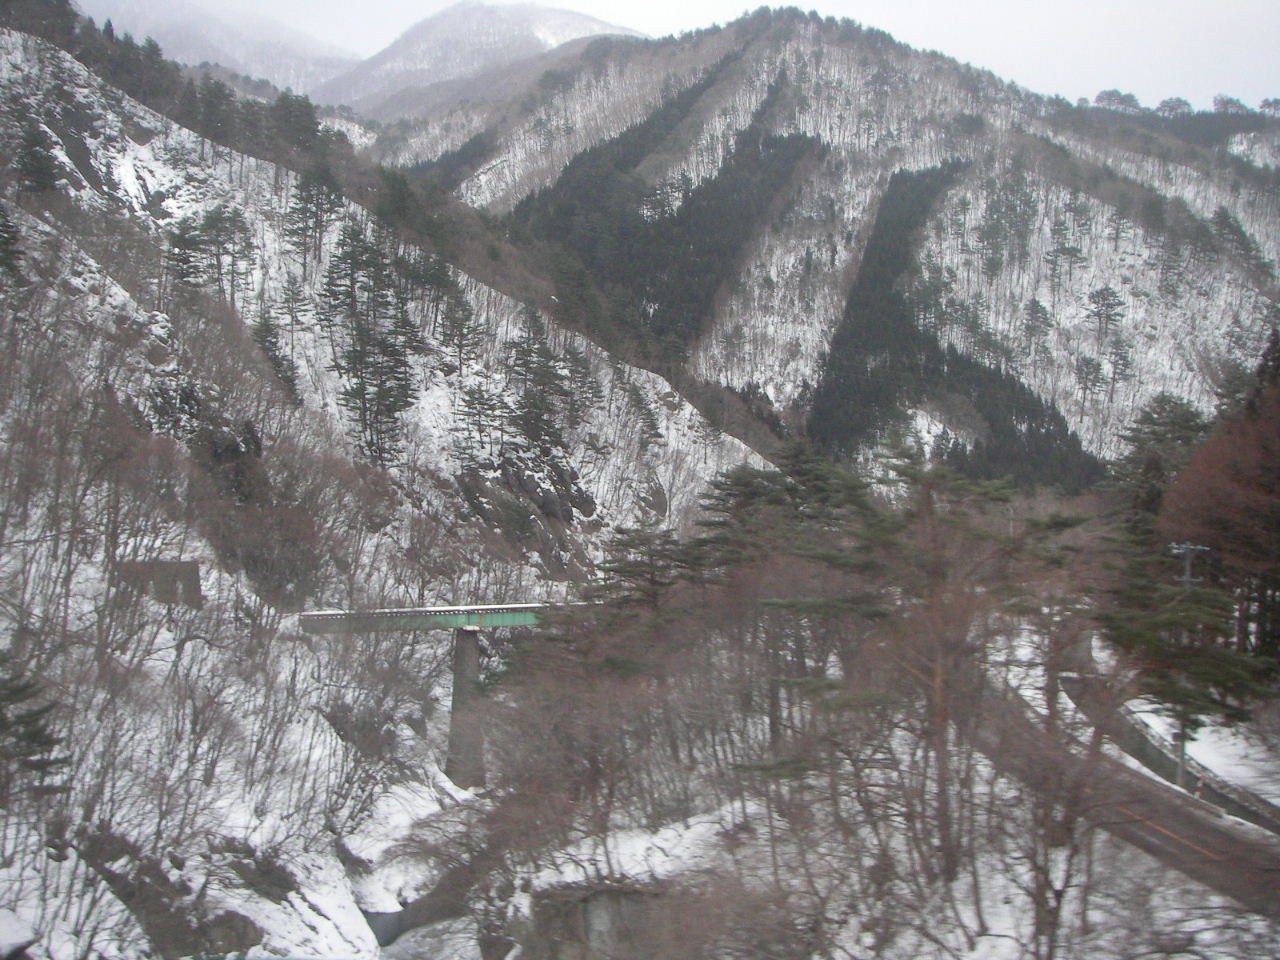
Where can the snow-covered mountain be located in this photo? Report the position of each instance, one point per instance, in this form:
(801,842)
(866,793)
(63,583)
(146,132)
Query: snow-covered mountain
(462,41)
(1044,206)
(246,43)
(229,393)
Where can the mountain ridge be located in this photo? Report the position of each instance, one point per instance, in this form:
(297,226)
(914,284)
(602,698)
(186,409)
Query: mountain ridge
(878,107)
(250,44)
(460,41)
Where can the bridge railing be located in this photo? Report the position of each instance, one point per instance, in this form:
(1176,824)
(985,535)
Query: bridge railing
(479,616)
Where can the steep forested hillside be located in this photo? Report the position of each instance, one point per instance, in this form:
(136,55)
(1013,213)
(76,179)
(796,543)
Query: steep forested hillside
(231,394)
(737,339)
(1054,217)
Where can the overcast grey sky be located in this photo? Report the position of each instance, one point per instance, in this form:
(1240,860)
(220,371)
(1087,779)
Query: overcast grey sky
(1152,48)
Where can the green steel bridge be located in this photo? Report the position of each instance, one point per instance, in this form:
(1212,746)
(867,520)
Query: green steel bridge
(476,617)
(465,757)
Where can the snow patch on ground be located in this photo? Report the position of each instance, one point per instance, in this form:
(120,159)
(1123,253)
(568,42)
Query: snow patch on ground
(1240,755)
(449,940)
(357,134)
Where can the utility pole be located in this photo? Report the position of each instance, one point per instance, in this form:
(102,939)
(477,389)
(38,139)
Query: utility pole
(1188,552)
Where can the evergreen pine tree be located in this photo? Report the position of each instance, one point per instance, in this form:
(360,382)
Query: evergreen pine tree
(357,365)
(406,331)
(1176,633)
(646,419)
(1106,308)
(483,419)
(1175,636)
(535,417)
(185,261)
(1117,227)
(228,248)
(293,120)
(1120,356)
(37,169)
(1088,376)
(340,291)
(187,111)
(1226,499)
(706,435)
(460,333)
(10,252)
(371,346)
(293,301)
(394,393)
(217,109)
(316,202)
(267,336)
(642,563)
(1036,324)
(1268,373)
(1081,216)
(54,20)
(27,744)
(1231,233)
(535,374)
(585,391)
(1161,441)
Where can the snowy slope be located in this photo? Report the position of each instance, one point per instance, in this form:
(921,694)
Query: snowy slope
(164,173)
(1186,318)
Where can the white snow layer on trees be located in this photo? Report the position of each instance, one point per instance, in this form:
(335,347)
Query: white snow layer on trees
(895,109)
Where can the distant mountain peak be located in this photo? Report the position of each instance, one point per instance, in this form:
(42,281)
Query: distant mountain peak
(244,42)
(462,40)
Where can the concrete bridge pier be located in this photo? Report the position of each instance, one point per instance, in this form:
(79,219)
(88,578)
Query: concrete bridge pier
(464,764)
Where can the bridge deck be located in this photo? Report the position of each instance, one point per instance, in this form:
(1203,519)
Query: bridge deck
(423,618)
